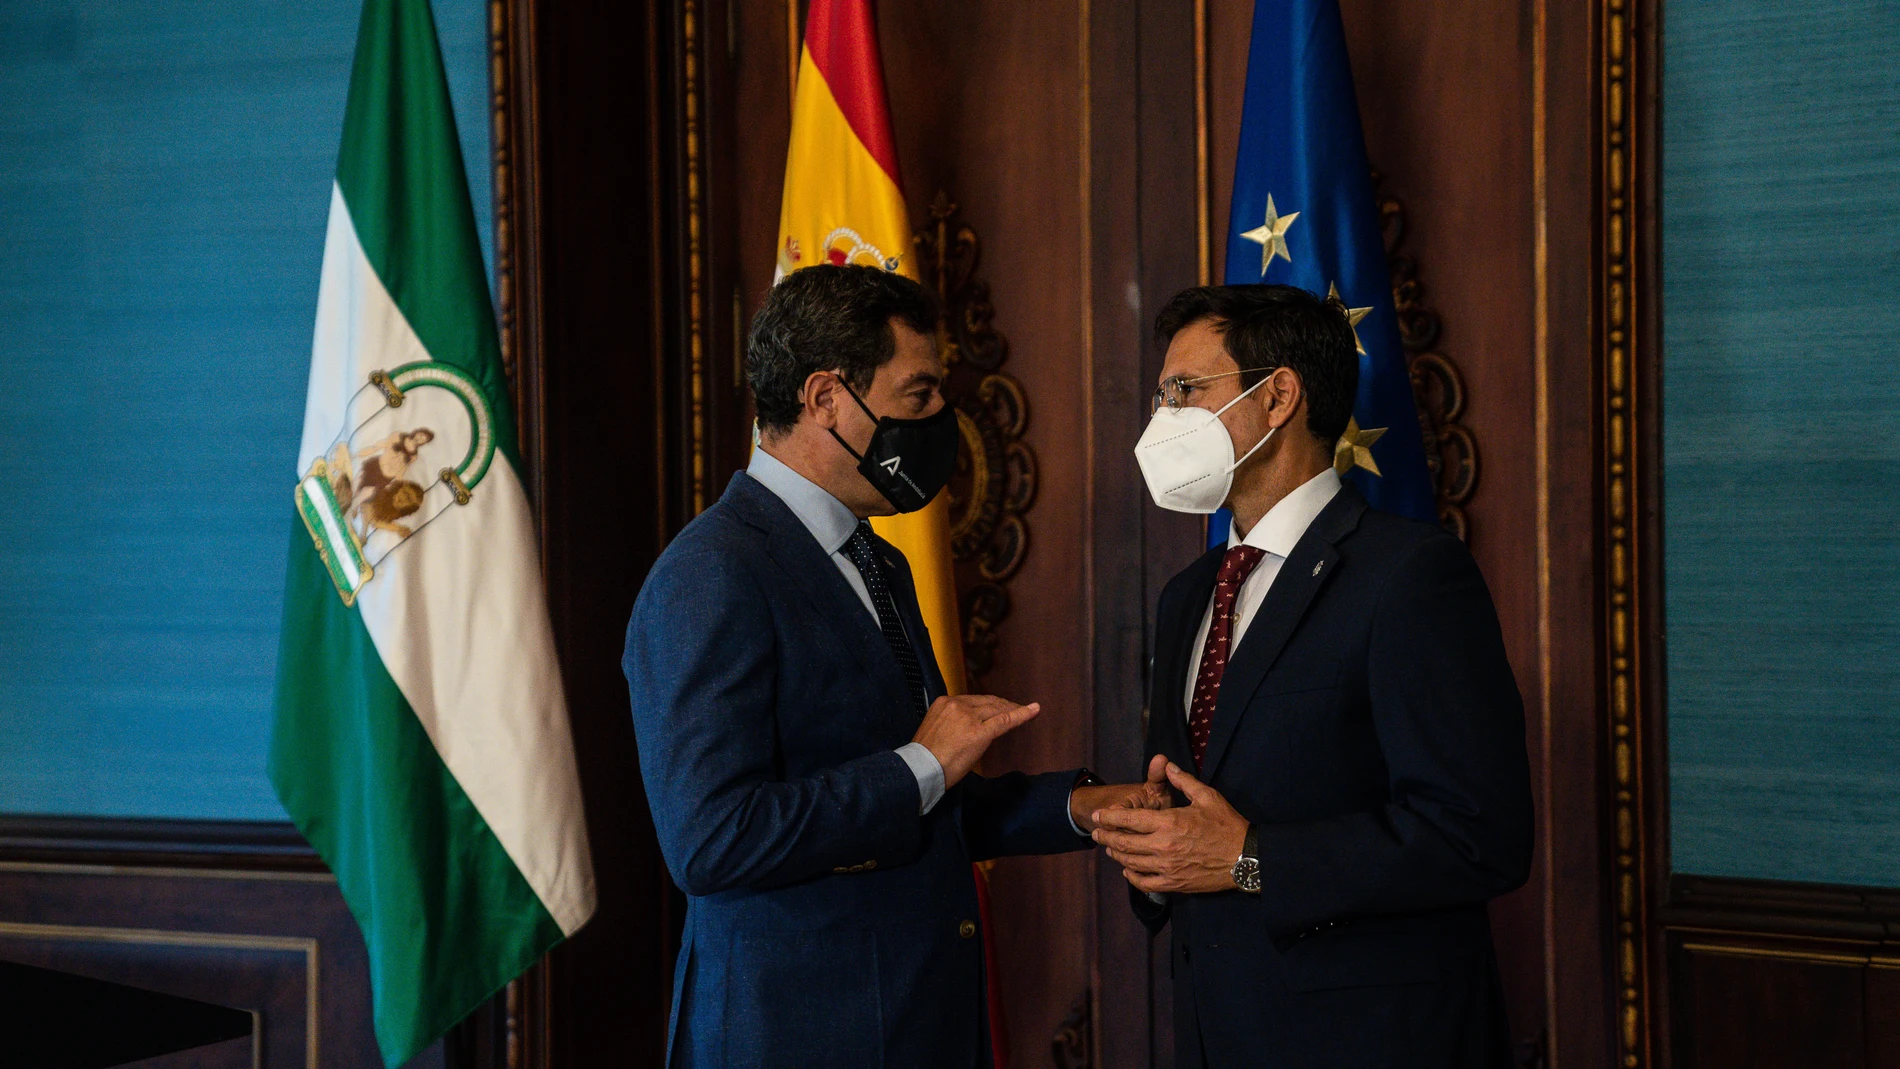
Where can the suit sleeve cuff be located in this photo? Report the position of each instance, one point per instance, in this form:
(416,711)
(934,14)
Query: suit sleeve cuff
(929,772)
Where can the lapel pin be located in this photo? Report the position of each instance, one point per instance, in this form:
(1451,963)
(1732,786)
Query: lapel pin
(1318,566)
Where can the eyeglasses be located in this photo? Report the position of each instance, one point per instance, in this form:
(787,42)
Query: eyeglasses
(1174,392)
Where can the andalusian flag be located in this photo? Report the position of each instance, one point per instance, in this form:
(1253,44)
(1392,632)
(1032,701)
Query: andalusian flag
(421,740)
(843,204)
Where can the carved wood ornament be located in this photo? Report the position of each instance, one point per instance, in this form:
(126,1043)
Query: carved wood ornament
(1451,452)
(995,480)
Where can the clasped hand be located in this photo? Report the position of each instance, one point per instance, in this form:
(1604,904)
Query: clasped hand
(1190,849)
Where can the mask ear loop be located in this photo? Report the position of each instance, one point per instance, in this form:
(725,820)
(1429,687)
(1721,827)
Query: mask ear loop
(873,416)
(1251,452)
(1263,438)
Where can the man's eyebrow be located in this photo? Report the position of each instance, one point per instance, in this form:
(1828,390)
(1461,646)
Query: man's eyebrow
(923,377)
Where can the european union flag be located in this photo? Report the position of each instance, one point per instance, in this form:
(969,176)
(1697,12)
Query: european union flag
(1304,215)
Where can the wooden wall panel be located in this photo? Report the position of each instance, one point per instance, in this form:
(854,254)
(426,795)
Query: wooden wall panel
(1765,975)
(1747,1006)
(945,61)
(630,412)
(231,914)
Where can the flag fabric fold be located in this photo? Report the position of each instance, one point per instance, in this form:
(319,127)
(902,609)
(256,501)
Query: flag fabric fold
(1304,214)
(421,741)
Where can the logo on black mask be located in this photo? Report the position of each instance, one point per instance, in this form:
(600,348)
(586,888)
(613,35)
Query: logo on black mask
(909,460)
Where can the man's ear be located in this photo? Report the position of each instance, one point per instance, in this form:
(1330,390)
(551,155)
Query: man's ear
(1281,395)
(821,395)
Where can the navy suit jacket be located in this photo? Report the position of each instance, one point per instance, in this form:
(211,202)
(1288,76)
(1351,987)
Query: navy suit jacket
(827,922)
(1369,726)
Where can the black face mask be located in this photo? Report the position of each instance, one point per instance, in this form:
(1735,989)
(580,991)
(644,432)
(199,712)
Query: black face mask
(909,460)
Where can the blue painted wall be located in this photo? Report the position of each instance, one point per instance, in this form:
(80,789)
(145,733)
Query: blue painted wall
(165,172)
(1781,428)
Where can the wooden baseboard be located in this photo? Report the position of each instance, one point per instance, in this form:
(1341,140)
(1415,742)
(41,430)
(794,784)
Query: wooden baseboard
(1769,973)
(228,844)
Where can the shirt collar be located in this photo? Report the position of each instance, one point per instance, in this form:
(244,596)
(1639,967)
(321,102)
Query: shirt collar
(826,517)
(1280,529)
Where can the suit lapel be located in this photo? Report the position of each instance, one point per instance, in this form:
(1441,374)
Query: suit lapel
(1306,570)
(810,570)
(1174,651)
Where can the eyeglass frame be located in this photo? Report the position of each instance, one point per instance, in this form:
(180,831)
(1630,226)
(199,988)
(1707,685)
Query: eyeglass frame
(1170,391)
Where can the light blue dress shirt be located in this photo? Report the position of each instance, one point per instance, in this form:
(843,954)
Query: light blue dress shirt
(831,523)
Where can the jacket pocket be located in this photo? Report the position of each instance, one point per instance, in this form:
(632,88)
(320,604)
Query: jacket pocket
(1299,679)
(1349,956)
(803,999)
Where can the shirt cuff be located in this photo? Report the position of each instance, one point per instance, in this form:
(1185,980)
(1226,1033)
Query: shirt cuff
(929,772)
(1068,810)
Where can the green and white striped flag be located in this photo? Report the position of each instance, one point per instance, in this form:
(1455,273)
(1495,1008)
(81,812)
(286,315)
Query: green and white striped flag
(421,742)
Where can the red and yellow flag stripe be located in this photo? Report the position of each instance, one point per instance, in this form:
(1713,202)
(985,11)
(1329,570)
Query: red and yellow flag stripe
(844,204)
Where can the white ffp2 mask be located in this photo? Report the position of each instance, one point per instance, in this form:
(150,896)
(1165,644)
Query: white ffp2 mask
(1187,457)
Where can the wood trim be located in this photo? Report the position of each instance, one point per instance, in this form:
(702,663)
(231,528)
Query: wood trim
(515,137)
(1778,908)
(1629,593)
(244,846)
(1203,214)
(1141,213)
(512,1030)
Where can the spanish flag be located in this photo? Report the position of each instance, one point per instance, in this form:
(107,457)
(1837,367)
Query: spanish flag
(844,204)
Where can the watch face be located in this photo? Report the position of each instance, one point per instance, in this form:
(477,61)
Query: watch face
(1247,875)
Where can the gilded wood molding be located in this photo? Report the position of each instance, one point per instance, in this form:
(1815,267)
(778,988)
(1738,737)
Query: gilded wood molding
(1622,295)
(694,110)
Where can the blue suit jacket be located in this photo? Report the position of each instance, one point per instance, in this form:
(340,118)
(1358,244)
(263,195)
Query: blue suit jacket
(827,922)
(1370,728)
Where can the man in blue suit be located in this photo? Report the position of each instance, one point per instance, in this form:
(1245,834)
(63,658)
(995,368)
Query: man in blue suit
(1332,701)
(809,779)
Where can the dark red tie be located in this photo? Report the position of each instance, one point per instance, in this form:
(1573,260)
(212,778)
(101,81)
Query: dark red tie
(1234,569)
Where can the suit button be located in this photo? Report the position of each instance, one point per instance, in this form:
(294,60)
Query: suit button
(871,864)
(967,929)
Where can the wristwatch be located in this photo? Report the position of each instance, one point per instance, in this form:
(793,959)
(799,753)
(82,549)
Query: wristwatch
(1246,871)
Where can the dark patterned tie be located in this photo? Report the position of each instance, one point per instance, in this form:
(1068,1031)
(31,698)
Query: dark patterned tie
(864,554)
(1234,569)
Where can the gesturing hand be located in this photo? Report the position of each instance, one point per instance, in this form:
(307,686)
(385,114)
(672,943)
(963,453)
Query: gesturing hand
(957,730)
(1152,793)
(1190,849)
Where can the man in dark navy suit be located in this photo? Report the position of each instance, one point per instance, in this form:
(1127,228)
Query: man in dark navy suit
(1332,702)
(810,781)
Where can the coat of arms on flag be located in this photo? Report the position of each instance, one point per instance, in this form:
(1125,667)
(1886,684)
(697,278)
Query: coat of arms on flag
(366,495)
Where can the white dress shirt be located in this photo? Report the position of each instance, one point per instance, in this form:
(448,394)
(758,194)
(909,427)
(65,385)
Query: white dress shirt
(1276,533)
(831,523)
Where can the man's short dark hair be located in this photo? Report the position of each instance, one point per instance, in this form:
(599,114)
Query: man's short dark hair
(1265,327)
(828,318)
